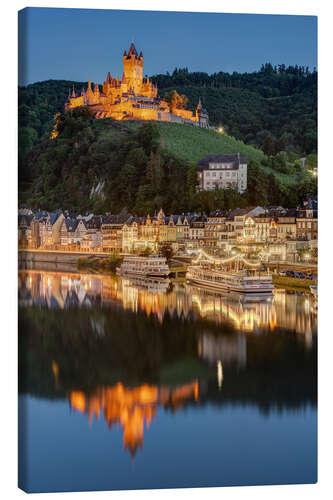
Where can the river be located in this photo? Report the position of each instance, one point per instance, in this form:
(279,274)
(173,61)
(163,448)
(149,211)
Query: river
(124,385)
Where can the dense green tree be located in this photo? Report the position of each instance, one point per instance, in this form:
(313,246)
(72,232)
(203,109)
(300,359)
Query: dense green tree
(166,251)
(269,146)
(175,100)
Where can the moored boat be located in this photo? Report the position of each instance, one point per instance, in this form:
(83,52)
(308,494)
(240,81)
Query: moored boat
(152,266)
(211,273)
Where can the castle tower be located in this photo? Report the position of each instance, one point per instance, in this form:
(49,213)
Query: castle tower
(133,68)
(201,115)
(124,86)
(90,94)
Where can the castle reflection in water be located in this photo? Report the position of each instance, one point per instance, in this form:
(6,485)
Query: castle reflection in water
(134,408)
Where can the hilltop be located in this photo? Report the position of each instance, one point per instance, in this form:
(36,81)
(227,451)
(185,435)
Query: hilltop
(278,102)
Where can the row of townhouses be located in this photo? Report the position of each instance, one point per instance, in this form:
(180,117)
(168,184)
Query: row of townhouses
(284,230)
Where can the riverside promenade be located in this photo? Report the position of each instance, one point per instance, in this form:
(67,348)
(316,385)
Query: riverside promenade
(55,256)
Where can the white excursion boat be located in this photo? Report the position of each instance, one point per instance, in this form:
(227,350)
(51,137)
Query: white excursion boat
(211,274)
(152,266)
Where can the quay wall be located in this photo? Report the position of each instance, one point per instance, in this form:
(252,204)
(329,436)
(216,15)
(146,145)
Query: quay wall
(48,256)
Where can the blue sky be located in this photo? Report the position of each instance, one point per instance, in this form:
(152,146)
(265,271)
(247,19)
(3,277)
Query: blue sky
(74,44)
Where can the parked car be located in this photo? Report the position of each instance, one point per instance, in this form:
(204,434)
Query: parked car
(299,275)
(291,274)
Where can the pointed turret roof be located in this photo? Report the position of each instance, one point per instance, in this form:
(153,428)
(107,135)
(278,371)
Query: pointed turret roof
(132,50)
(108,77)
(123,79)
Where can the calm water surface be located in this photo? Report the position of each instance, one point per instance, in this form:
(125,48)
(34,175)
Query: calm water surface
(124,385)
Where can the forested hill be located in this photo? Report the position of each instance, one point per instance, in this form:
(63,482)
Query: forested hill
(275,105)
(280,101)
(138,167)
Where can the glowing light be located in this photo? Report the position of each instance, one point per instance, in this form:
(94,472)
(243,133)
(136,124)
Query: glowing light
(203,254)
(219,374)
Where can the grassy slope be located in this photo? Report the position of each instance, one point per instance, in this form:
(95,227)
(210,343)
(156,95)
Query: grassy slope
(193,143)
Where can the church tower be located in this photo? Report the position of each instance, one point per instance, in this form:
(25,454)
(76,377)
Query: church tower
(133,68)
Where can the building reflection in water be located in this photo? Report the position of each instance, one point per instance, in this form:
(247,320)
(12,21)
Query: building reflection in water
(290,311)
(133,408)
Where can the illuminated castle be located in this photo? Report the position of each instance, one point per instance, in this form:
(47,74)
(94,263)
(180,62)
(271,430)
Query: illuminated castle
(132,97)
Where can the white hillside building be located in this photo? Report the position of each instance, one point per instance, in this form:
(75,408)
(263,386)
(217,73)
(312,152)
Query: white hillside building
(223,172)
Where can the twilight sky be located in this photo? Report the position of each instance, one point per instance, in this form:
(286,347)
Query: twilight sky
(74,44)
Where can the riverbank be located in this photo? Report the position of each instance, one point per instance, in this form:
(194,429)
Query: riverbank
(100,263)
(292,283)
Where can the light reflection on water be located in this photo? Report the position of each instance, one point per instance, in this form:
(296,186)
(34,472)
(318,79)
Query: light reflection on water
(124,352)
(288,310)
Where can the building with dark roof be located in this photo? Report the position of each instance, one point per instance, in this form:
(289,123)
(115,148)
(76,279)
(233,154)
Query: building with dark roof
(222,172)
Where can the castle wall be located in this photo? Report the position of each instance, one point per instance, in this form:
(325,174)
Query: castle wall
(185,114)
(76,102)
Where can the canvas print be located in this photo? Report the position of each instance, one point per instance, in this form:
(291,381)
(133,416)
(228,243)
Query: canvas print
(167,244)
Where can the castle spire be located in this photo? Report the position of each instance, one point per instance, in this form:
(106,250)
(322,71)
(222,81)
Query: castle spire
(89,84)
(73,93)
(108,78)
(132,50)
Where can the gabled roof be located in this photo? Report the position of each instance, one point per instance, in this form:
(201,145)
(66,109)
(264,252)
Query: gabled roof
(218,213)
(71,224)
(40,215)
(94,222)
(116,219)
(290,212)
(54,217)
(235,159)
(24,220)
